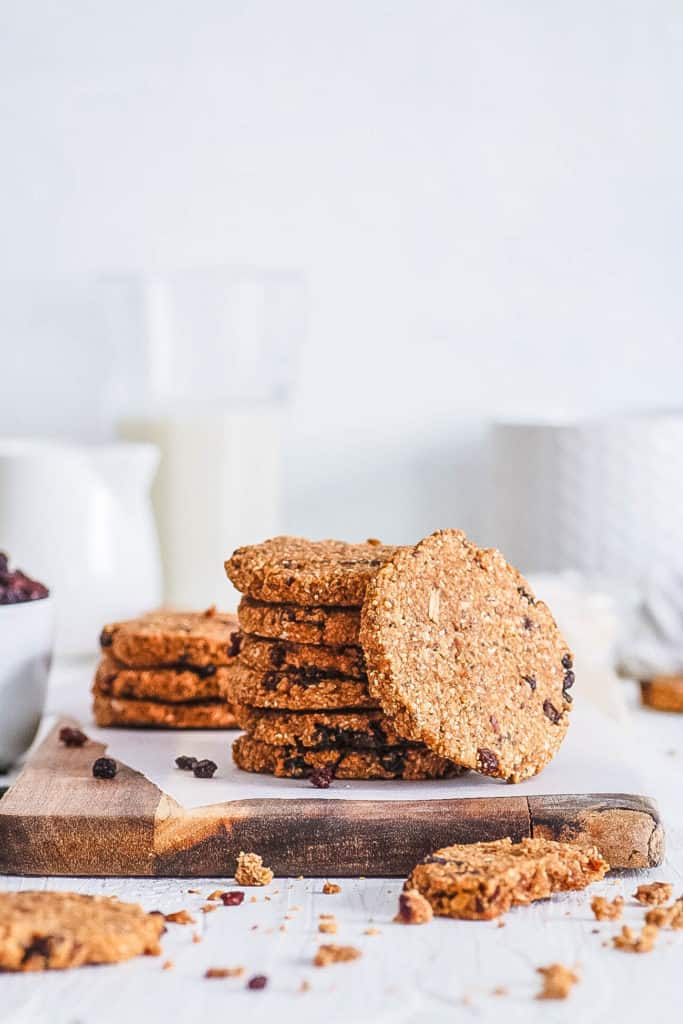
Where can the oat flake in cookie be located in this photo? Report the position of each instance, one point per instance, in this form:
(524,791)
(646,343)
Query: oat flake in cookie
(464,658)
(307,572)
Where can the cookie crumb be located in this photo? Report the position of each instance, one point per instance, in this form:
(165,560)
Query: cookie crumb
(179,917)
(253,899)
(666,917)
(224,972)
(632,942)
(331,888)
(606,911)
(372,931)
(208,908)
(501,924)
(251,871)
(333,954)
(558,981)
(167,965)
(282,928)
(305,985)
(196,937)
(328,927)
(499,990)
(413,908)
(196,892)
(217,894)
(654,894)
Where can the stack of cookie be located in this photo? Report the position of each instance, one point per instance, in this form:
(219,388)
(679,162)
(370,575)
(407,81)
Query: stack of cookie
(299,684)
(166,670)
(380,662)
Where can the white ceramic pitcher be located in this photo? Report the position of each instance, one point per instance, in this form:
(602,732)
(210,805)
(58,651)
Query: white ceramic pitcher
(79,518)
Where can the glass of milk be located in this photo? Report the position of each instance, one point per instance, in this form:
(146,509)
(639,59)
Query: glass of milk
(218,351)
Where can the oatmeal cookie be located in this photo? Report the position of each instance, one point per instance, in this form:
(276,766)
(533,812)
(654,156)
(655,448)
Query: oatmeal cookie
(664,693)
(480,881)
(303,624)
(172,639)
(296,691)
(54,930)
(114,679)
(294,570)
(410,761)
(284,656)
(154,714)
(319,730)
(465,659)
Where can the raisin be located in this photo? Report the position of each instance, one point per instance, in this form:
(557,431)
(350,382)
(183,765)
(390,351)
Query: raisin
(204,769)
(568,680)
(232,899)
(106,638)
(234,644)
(531,680)
(278,653)
(488,761)
(185,763)
(567,661)
(323,777)
(259,981)
(527,622)
(104,768)
(72,737)
(551,712)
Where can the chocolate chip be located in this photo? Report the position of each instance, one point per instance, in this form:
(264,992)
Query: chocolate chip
(72,737)
(551,712)
(487,761)
(41,945)
(289,580)
(567,661)
(232,899)
(204,769)
(106,638)
(568,681)
(234,644)
(530,680)
(185,763)
(259,981)
(104,768)
(322,778)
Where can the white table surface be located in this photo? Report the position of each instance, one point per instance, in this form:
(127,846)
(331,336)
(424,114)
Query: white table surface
(444,971)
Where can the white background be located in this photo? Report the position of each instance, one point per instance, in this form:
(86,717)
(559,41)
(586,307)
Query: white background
(485,198)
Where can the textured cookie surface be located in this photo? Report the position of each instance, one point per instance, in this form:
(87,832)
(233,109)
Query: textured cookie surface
(479,881)
(303,624)
(266,655)
(171,639)
(665,693)
(296,691)
(410,761)
(465,659)
(114,679)
(54,930)
(299,571)
(110,711)
(319,730)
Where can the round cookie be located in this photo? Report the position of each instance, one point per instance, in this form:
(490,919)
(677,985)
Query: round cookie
(303,624)
(463,658)
(114,679)
(172,639)
(55,930)
(294,570)
(266,655)
(319,730)
(664,693)
(410,762)
(296,691)
(153,714)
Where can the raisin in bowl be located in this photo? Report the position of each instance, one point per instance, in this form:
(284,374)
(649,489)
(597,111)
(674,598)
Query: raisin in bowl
(26,642)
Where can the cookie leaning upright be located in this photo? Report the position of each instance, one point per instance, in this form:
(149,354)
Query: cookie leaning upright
(464,658)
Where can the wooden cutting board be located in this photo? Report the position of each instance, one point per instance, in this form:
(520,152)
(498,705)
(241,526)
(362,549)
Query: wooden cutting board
(58,820)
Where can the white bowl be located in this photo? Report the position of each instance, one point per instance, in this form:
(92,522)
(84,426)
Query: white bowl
(26,642)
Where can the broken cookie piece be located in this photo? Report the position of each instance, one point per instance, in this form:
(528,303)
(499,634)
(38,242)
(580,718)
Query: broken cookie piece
(606,911)
(333,954)
(634,942)
(558,981)
(480,881)
(413,908)
(653,894)
(251,871)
